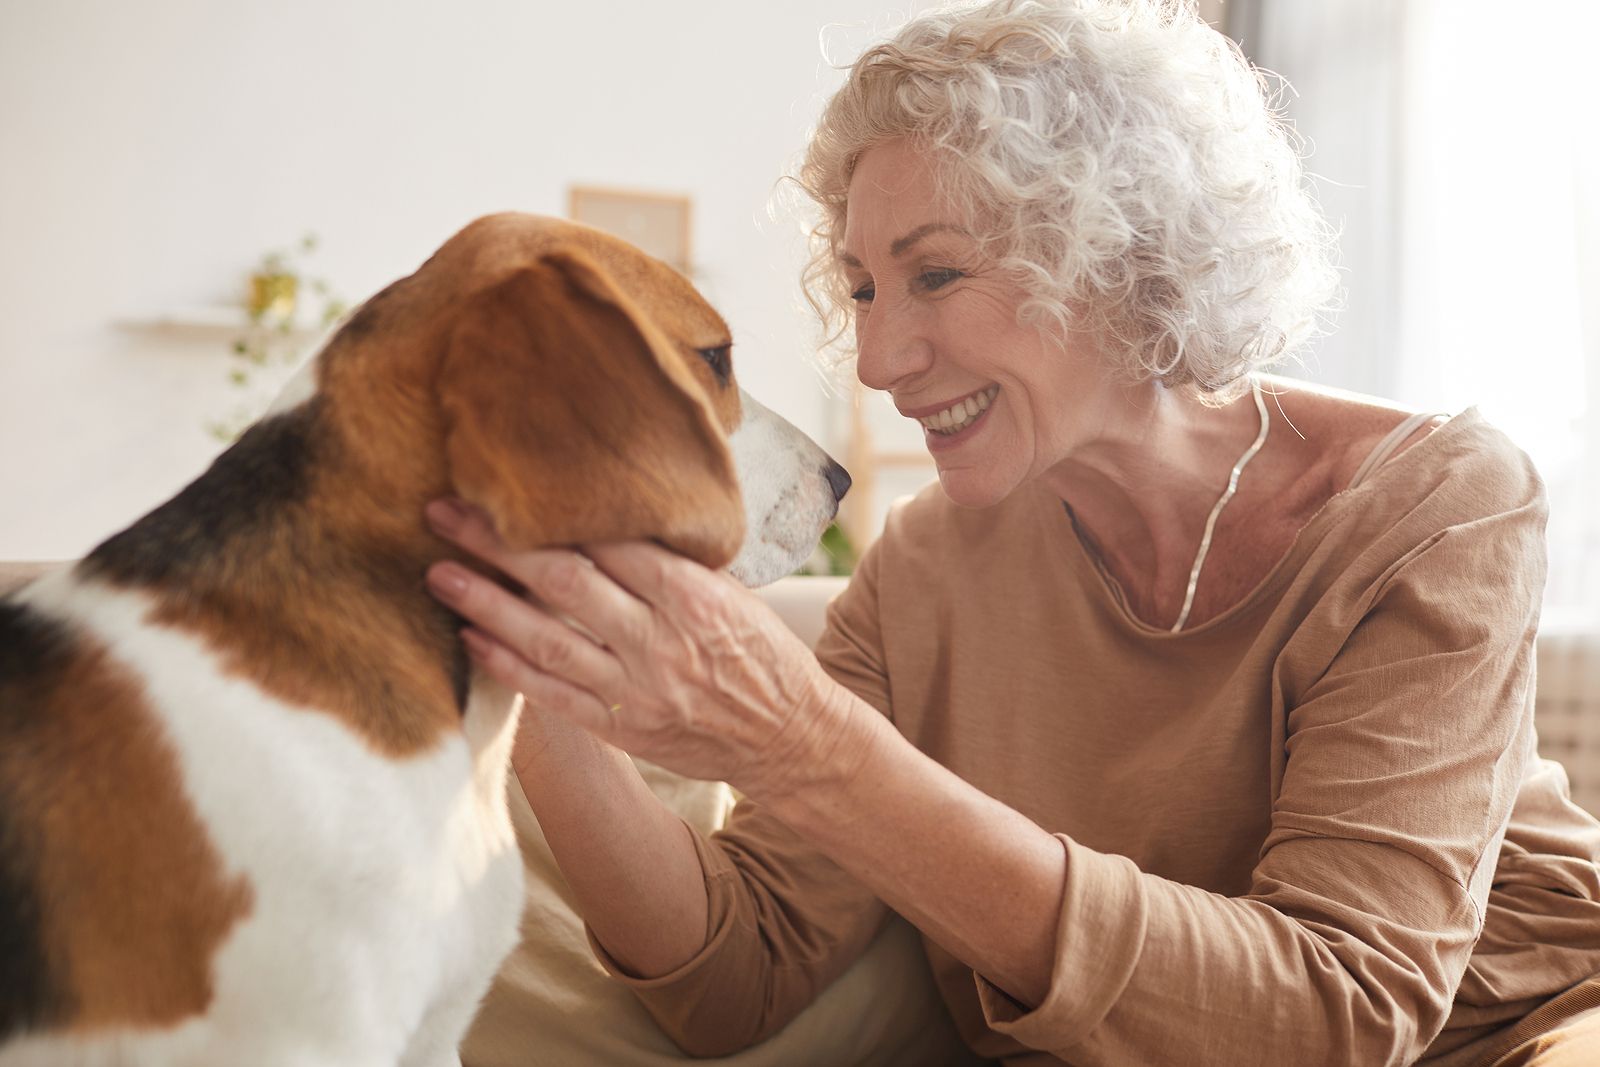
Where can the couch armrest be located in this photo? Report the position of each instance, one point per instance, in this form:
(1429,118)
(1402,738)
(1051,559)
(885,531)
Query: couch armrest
(14,574)
(802,601)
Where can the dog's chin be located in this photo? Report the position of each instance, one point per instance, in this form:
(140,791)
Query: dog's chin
(763,563)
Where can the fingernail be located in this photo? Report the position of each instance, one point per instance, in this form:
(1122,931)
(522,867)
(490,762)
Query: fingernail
(447,581)
(446,515)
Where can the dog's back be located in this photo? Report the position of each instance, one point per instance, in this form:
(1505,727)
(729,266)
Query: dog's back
(197,868)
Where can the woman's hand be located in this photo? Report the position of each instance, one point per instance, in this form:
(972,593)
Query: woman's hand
(668,661)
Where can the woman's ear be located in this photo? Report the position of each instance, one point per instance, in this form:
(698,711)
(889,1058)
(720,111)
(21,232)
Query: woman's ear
(569,418)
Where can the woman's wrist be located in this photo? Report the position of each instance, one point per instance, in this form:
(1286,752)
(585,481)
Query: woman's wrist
(831,742)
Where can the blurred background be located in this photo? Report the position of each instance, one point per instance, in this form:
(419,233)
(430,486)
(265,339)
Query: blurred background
(157,155)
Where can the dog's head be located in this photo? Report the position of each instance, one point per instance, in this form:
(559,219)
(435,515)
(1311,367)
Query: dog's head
(584,391)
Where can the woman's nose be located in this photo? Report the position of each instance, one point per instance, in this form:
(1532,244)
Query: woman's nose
(890,347)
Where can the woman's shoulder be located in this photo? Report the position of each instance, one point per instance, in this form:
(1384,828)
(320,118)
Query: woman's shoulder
(1361,484)
(1362,440)
(1338,431)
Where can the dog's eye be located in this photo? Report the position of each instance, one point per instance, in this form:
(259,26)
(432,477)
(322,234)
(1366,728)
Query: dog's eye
(720,360)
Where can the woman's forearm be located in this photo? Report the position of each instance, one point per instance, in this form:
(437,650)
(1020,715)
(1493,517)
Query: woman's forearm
(630,861)
(977,877)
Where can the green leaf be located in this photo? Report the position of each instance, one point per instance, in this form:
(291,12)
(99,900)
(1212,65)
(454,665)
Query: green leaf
(842,556)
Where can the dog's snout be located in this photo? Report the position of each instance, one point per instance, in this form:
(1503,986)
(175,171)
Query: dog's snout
(838,480)
(791,490)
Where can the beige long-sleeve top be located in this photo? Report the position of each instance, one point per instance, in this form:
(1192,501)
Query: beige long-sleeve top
(1312,830)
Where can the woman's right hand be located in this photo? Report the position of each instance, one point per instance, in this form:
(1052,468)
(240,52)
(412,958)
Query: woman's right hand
(629,860)
(657,655)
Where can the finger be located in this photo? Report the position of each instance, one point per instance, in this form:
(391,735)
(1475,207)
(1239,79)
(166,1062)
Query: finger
(650,572)
(525,629)
(464,525)
(544,691)
(560,577)
(574,588)
(685,597)
(469,528)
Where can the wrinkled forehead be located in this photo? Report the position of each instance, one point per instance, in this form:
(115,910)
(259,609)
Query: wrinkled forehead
(895,191)
(687,321)
(669,298)
(681,323)
(484,251)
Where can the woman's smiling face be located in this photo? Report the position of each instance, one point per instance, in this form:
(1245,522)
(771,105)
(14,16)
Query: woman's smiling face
(936,328)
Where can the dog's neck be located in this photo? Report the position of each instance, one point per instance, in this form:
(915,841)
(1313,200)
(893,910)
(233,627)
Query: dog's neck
(305,574)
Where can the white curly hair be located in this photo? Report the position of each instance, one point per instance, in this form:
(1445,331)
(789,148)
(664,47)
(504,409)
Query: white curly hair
(1120,158)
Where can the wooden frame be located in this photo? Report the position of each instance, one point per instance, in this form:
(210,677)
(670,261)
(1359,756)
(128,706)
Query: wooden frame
(862,511)
(659,223)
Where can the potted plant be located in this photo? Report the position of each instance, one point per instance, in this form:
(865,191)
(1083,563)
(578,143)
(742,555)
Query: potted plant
(286,308)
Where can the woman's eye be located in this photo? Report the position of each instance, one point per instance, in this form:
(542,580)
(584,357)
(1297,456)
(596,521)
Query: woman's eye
(928,281)
(937,278)
(720,360)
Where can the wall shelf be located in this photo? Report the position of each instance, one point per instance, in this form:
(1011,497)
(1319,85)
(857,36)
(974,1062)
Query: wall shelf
(220,321)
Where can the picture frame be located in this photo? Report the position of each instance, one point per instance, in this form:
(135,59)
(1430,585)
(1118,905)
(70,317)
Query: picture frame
(659,223)
(886,458)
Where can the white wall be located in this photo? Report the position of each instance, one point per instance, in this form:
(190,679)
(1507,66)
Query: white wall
(150,152)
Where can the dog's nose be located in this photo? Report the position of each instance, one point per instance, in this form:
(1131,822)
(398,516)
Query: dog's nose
(838,480)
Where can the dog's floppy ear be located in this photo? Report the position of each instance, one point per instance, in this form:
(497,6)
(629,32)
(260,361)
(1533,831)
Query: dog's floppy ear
(568,418)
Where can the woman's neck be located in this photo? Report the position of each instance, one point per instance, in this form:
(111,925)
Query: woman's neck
(1142,488)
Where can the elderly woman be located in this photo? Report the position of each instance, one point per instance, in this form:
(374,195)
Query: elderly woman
(1189,716)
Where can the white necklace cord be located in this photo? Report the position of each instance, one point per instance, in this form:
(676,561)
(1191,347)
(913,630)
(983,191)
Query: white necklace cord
(1227,495)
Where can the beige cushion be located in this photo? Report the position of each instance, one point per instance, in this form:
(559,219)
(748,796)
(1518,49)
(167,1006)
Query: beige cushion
(553,1004)
(14,575)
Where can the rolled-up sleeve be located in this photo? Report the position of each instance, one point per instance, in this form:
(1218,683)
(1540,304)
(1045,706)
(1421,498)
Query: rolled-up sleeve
(783,922)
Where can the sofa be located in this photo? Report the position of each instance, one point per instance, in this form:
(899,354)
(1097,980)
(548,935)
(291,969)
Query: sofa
(553,1004)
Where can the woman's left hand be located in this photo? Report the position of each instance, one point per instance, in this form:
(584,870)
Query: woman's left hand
(668,661)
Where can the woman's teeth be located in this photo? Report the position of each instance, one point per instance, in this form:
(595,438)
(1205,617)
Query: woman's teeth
(959,416)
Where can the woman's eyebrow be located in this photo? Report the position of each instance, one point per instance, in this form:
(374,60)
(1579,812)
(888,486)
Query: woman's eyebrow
(900,245)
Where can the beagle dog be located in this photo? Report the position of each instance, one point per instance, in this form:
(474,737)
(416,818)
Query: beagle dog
(252,794)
